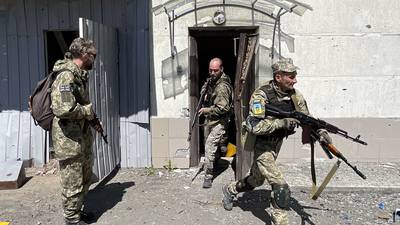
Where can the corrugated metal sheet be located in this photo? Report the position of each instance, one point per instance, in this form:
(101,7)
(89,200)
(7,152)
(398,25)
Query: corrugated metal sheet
(103,87)
(22,64)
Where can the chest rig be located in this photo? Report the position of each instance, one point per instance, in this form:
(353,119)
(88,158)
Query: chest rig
(289,104)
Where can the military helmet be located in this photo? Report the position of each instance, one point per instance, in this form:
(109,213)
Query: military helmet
(284,65)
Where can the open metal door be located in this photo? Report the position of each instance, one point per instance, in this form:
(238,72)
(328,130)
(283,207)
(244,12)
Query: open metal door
(104,95)
(193,99)
(244,86)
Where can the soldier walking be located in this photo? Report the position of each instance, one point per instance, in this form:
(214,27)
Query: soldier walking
(268,133)
(71,131)
(217,113)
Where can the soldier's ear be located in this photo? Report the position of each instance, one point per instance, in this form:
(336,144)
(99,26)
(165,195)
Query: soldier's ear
(222,69)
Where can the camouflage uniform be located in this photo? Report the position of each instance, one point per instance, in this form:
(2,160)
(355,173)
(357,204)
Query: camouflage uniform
(219,99)
(71,135)
(269,136)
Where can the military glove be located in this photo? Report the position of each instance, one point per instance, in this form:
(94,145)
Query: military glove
(88,112)
(288,123)
(96,124)
(204,111)
(324,136)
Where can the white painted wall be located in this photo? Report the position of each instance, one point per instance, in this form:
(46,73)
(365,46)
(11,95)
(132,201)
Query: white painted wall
(348,54)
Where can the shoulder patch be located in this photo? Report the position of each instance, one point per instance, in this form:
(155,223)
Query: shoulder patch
(258,108)
(65,88)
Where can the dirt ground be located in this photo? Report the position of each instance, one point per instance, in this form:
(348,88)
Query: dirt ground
(148,196)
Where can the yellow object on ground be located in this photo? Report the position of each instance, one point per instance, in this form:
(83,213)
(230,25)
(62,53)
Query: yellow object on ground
(4,223)
(230,150)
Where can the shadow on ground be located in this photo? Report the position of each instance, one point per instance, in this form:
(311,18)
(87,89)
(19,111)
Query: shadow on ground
(258,201)
(103,198)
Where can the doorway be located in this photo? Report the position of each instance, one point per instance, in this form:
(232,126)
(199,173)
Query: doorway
(206,43)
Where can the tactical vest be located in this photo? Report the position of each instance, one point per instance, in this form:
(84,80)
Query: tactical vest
(286,105)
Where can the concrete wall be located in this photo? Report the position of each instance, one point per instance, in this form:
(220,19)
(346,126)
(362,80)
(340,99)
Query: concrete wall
(348,54)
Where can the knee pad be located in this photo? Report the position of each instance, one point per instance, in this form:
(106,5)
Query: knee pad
(243,186)
(281,195)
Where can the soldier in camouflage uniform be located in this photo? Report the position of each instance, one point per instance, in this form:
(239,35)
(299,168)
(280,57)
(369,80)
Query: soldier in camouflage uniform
(217,113)
(71,132)
(268,133)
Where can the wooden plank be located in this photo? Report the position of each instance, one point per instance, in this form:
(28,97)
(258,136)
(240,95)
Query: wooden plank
(194,98)
(4,75)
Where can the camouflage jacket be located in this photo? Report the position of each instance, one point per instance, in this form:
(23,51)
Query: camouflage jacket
(219,100)
(266,126)
(72,109)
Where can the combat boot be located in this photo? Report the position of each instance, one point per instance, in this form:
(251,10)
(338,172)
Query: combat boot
(207,183)
(227,200)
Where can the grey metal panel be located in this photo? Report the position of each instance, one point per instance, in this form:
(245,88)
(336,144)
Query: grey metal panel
(13,61)
(103,82)
(3,63)
(22,64)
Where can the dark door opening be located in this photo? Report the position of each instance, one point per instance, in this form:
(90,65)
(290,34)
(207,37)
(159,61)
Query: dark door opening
(207,43)
(56,44)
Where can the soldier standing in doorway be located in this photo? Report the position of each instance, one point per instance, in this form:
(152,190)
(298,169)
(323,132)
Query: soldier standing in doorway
(71,131)
(217,113)
(268,133)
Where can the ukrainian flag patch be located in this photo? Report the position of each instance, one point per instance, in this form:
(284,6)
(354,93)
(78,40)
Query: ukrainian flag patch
(258,108)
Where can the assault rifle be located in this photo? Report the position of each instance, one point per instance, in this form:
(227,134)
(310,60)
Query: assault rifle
(95,123)
(316,124)
(198,107)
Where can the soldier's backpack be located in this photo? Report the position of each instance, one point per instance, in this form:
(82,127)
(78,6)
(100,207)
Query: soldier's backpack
(40,101)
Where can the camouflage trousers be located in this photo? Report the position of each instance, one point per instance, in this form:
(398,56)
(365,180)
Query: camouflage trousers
(264,168)
(215,136)
(76,174)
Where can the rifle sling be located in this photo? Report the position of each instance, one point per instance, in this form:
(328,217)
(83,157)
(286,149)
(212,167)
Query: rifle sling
(315,190)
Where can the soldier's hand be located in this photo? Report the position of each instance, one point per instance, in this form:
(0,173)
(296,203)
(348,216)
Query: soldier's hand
(204,111)
(324,136)
(289,123)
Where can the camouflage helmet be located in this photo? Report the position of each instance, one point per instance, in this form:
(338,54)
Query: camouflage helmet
(284,65)
(81,46)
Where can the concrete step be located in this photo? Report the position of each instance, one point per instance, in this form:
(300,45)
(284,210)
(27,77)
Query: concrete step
(12,175)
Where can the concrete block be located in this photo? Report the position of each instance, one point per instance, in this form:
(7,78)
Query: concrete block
(159,162)
(178,147)
(160,147)
(159,127)
(178,127)
(182,163)
(12,175)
